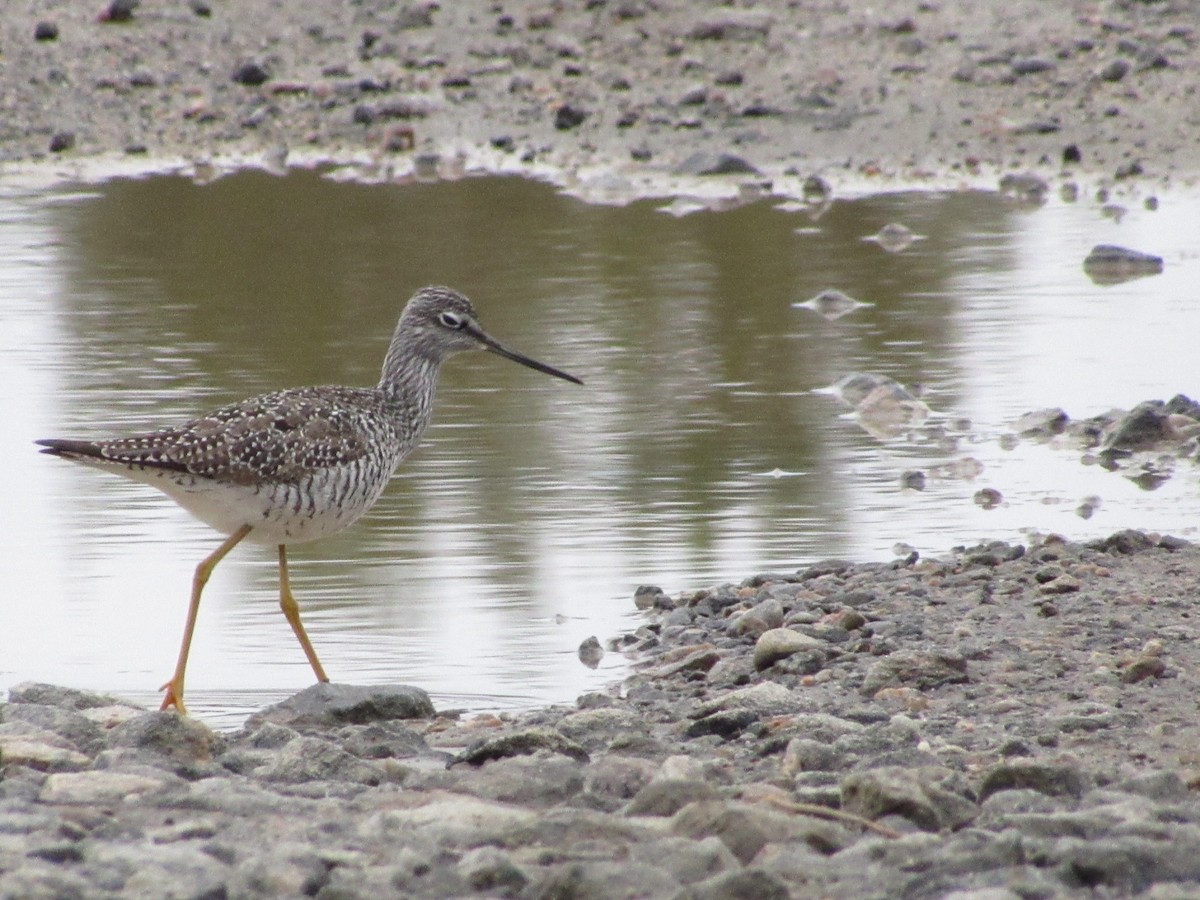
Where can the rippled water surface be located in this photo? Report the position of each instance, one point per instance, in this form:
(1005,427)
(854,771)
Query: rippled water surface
(700,450)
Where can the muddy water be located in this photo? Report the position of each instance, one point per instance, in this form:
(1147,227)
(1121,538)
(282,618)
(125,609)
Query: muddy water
(700,450)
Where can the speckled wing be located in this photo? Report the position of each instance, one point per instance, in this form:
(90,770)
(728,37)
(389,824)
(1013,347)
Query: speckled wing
(281,437)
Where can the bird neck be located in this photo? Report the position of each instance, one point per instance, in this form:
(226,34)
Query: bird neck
(408,374)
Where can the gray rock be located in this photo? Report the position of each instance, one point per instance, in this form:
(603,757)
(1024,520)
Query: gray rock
(65,698)
(168,734)
(744,830)
(780,643)
(78,731)
(1112,264)
(686,860)
(931,798)
(40,755)
(666,796)
(327,705)
(701,163)
(599,726)
(531,781)
(1057,779)
(604,881)
(764,699)
(95,787)
(381,740)
(744,884)
(1144,427)
(733,24)
(451,820)
(731,671)
(520,743)
(759,618)
(803,755)
(611,782)
(491,869)
(923,670)
(308,759)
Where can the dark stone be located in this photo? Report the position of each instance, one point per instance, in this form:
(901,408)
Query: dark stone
(250,74)
(1050,778)
(715,164)
(1143,427)
(62,140)
(520,743)
(1031,66)
(119,11)
(1124,543)
(58,853)
(1110,264)
(1115,70)
(567,117)
(727,723)
(45,31)
(326,705)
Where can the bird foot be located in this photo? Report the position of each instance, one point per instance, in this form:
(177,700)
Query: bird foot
(173,697)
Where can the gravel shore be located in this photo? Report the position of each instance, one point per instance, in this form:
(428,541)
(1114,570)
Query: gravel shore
(1007,722)
(622,95)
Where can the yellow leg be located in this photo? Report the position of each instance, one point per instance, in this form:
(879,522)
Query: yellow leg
(291,611)
(174,687)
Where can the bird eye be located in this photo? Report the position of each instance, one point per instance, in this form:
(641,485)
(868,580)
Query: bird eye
(451,320)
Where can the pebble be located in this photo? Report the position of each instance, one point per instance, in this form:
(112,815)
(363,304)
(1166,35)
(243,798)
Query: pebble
(250,74)
(780,643)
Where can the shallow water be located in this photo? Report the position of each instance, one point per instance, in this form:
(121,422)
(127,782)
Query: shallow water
(700,450)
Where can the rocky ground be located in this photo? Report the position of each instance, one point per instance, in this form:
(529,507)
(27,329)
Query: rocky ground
(1008,722)
(614,93)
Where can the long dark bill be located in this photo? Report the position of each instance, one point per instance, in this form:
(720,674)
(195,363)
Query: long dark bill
(501,350)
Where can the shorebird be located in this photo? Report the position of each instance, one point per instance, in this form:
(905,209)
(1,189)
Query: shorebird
(298,464)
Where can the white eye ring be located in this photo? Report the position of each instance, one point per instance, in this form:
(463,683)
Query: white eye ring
(451,320)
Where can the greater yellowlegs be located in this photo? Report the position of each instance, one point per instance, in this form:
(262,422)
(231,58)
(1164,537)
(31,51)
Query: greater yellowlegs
(299,464)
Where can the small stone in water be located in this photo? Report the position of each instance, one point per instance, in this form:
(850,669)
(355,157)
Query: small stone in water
(1110,264)
(894,237)
(816,189)
(1042,424)
(590,652)
(913,480)
(646,596)
(988,498)
(1025,187)
(832,304)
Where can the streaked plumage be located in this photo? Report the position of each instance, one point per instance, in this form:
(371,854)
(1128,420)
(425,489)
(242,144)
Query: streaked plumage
(299,464)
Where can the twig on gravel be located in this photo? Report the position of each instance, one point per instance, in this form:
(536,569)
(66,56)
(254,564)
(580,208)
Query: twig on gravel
(824,812)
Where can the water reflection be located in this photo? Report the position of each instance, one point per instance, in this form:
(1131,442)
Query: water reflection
(525,523)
